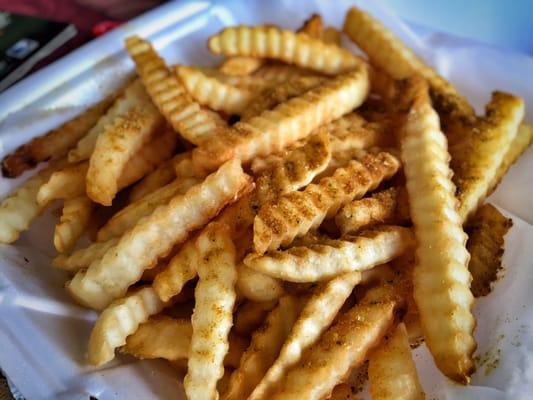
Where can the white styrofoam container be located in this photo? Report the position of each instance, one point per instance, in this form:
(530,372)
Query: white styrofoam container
(43,334)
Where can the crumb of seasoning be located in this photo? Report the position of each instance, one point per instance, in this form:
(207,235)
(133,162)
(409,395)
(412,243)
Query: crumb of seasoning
(490,360)
(25,259)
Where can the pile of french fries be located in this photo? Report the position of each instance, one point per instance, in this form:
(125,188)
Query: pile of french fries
(276,225)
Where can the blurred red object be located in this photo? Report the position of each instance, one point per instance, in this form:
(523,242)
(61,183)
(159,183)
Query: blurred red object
(105,26)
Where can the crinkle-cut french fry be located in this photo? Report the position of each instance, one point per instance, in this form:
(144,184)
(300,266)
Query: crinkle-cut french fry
(441,283)
(158,178)
(287,123)
(331,36)
(116,145)
(148,157)
(181,269)
(313,26)
(128,217)
(241,65)
(131,97)
(21,207)
(341,159)
(65,183)
(119,320)
(185,115)
(273,96)
(248,82)
(73,222)
(54,144)
(382,84)
(296,170)
(213,311)
(316,316)
(287,46)
(183,167)
(386,207)
(387,52)
(154,236)
(256,286)
(352,131)
(392,371)
(296,213)
(264,348)
(82,258)
(477,157)
(250,315)
(213,93)
(485,245)
(343,391)
(160,337)
(518,146)
(277,73)
(334,257)
(345,345)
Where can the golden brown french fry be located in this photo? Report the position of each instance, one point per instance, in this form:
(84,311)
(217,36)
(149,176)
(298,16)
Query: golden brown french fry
(386,207)
(185,115)
(184,168)
(241,65)
(250,315)
(256,286)
(65,183)
(287,46)
(82,258)
(287,123)
(441,284)
(296,213)
(161,176)
(477,156)
(316,316)
(343,346)
(213,312)
(277,73)
(213,93)
(54,144)
(21,207)
(331,36)
(143,245)
(296,170)
(128,217)
(129,98)
(73,223)
(334,257)
(392,371)
(485,245)
(264,348)
(387,52)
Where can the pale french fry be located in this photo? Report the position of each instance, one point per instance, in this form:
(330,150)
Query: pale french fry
(141,246)
(334,257)
(441,284)
(249,82)
(316,316)
(250,315)
(54,144)
(296,170)
(116,144)
(386,207)
(518,146)
(387,52)
(186,116)
(119,320)
(392,371)
(343,346)
(213,93)
(241,65)
(213,312)
(131,97)
(477,157)
(21,207)
(264,348)
(160,337)
(73,223)
(82,258)
(287,46)
(256,286)
(66,183)
(485,245)
(277,73)
(273,96)
(151,155)
(296,213)
(287,123)
(184,168)
(128,217)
